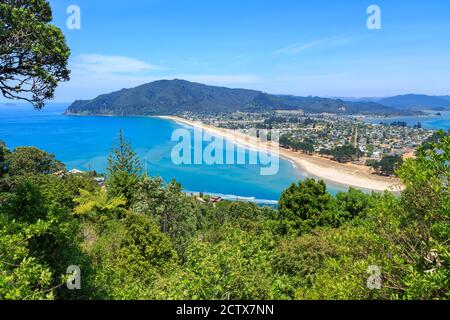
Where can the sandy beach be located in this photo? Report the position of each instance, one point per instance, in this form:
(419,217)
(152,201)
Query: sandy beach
(330,171)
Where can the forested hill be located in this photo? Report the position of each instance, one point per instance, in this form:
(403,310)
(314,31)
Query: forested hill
(167,97)
(417,102)
(410,102)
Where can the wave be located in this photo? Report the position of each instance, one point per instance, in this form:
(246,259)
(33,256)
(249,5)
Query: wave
(183,125)
(294,165)
(232,197)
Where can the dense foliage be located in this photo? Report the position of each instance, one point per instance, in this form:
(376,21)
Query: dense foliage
(33,53)
(286,141)
(148,240)
(167,97)
(346,153)
(124,169)
(388,165)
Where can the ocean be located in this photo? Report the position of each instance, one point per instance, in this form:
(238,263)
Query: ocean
(432,122)
(85,142)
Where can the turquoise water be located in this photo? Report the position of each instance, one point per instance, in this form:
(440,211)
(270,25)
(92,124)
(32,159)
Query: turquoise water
(429,122)
(85,142)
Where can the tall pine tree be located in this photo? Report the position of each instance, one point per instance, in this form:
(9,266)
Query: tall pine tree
(124,170)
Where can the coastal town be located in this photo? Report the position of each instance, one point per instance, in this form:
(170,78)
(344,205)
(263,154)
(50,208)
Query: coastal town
(343,138)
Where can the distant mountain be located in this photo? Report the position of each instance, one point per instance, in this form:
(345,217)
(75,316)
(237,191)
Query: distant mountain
(416,102)
(169,97)
(317,104)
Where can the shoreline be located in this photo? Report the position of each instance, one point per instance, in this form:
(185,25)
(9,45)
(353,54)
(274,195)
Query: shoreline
(348,175)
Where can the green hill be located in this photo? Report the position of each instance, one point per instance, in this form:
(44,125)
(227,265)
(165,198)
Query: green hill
(416,102)
(168,97)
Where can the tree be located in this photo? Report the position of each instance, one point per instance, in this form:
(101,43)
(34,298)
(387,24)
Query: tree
(305,205)
(285,141)
(130,255)
(346,153)
(97,206)
(301,256)
(145,247)
(325,152)
(388,165)
(352,204)
(234,250)
(33,53)
(307,147)
(417,226)
(225,264)
(22,275)
(62,190)
(124,170)
(371,163)
(46,243)
(30,160)
(176,214)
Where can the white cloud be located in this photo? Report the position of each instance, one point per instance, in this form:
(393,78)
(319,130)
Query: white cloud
(84,86)
(88,85)
(98,63)
(299,47)
(95,74)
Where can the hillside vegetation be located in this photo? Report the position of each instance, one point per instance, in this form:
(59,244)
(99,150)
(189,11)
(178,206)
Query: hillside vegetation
(169,97)
(416,102)
(140,238)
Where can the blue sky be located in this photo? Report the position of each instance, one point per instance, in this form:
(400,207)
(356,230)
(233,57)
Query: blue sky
(320,47)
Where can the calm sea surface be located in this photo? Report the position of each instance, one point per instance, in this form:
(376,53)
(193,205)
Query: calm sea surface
(85,142)
(429,122)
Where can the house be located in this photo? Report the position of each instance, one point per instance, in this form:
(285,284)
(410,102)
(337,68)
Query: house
(75,171)
(100,181)
(215,200)
(201,200)
(59,174)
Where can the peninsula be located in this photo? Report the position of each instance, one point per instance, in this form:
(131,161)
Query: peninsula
(347,174)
